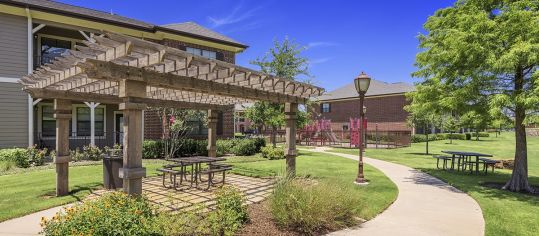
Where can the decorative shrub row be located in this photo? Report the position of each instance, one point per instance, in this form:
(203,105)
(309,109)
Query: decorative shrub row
(22,158)
(119,214)
(190,147)
(273,153)
(419,138)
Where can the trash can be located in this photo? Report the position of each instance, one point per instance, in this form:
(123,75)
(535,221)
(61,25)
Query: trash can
(111,172)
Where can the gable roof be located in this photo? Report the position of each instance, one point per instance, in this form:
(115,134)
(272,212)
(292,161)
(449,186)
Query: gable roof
(376,88)
(76,11)
(194,28)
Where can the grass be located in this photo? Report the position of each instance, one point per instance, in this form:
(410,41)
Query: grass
(25,193)
(505,213)
(330,169)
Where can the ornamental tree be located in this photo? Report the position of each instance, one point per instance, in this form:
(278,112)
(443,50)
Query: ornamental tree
(490,49)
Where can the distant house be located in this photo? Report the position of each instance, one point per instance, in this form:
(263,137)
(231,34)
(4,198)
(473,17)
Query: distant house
(34,32)
(384,104)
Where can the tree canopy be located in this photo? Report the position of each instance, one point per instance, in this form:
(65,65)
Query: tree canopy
(481,57)
(283,60)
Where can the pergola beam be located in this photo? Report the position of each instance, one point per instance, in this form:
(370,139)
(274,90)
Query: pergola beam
(113,99)
(97,69)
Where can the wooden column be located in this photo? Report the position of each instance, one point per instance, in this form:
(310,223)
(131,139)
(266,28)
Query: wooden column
(132,171)
(212,132)
(290,111)
(62,114)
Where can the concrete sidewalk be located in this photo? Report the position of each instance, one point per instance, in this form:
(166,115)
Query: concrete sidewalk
(425,206)
(28,224)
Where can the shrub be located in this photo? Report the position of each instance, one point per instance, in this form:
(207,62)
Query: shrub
(19,156)
(230,211)
(92,153)
(312,208)
(244,147)
(468,136)
(112,214)
(76,155)
(259,143)
(36,157)
(273,153)
(6,165)
(456,136)
(190,147)
(229,215)
(481,134)
(224,146)
(152,149)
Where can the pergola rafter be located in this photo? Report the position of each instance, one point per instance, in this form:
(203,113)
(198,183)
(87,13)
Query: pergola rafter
(135,73)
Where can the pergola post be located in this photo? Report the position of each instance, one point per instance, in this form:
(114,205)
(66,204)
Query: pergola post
(212,133)
(290,111)
(62,114)
(132,171)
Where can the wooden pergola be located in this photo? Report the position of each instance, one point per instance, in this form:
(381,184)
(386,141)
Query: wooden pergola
(134,73)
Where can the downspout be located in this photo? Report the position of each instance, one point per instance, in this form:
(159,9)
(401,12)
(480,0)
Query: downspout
(30,66)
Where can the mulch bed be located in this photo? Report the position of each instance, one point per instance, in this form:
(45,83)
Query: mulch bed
(261,223)
(499,186)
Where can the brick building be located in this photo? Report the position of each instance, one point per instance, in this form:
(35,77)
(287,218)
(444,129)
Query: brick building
(384,104)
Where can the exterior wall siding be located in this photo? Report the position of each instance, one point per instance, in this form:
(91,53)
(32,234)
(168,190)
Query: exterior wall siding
(13,116)
(13,65)
(387,113)
(13,46)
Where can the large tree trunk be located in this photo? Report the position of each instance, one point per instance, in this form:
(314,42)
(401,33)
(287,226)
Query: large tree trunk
(519,177)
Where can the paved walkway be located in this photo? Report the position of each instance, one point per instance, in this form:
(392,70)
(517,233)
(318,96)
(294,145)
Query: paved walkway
(425,206)
(255,190)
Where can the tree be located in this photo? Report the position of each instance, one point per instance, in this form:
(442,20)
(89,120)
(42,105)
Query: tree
(175,127)
(488,48)
(451,123)
(284,60)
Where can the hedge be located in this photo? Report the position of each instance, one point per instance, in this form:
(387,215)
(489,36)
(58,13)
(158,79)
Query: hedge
(191,147)
(419,138)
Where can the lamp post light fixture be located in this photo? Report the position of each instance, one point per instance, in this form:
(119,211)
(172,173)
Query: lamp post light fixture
(362,83)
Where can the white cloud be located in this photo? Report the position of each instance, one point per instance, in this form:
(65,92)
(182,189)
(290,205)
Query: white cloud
(236,16)
(319,60)
(320,44)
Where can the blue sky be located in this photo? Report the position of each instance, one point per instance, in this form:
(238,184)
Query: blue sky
(344,37)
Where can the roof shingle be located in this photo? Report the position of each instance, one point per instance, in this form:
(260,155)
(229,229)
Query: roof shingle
(376,88)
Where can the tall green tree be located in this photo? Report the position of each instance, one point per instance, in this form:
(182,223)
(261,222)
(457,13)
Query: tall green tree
(488,48)
(284,60)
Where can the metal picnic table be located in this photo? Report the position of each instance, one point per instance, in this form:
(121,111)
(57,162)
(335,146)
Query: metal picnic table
(196,165)
(466,155)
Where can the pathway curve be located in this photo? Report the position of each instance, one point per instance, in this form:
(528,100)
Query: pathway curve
(425,206)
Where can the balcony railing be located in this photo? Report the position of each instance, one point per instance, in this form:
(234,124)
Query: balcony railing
(102,140)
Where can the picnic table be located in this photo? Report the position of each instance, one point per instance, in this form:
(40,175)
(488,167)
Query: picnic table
(196,167)
(467,156)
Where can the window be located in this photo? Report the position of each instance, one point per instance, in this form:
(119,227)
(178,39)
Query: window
(52,48)
(84,122)
(201,52)
(325,108)
(48,123)
(345,127)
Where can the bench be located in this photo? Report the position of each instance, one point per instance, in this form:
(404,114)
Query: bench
(211,174)
(172,176)
(444,159)
(488,163)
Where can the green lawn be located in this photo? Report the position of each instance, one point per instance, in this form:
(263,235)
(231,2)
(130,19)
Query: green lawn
(24,193)
(505,213)
(329,168)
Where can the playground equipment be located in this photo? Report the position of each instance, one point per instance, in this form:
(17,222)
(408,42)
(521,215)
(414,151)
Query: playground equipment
(355,138)
(318,132)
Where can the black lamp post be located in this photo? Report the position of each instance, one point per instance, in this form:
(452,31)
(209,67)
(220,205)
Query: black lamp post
(362,83)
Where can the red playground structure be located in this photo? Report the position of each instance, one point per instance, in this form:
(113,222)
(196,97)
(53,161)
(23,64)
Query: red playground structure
(319,133)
